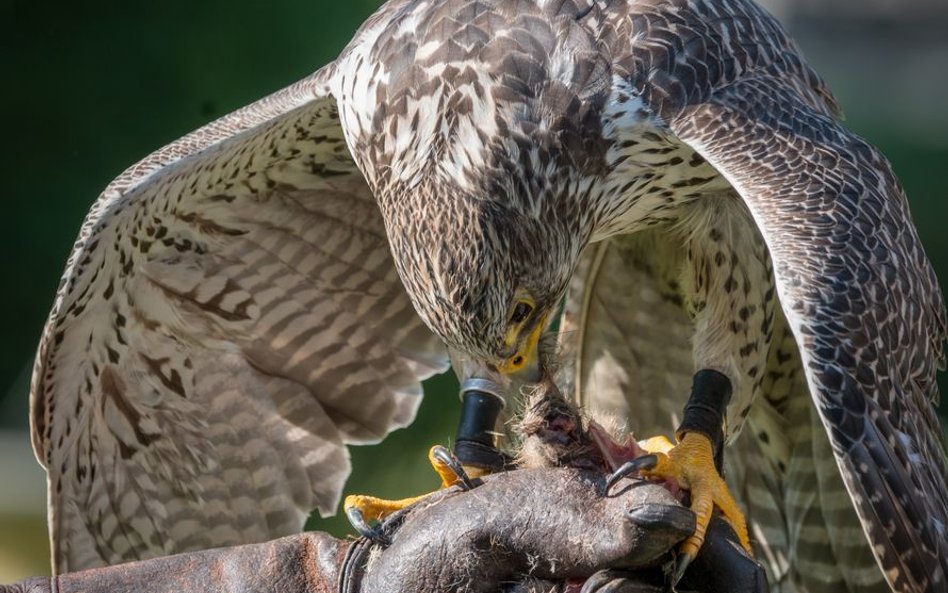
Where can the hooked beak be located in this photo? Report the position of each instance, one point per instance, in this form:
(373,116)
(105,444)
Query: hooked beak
(507,374)
(524,365)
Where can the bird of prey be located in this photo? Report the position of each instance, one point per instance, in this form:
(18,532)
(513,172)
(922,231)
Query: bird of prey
(245,302)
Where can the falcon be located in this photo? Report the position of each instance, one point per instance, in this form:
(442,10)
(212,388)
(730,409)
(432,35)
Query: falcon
(244,303)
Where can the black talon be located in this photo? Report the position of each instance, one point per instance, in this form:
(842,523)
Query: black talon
(631,467)
(373,534)
(681,565)
(605,581)
(446,457)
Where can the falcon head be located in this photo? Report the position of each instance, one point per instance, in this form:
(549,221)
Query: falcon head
(484,182)
(485,274)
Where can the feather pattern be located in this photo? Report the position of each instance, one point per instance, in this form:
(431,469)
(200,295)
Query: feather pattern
(208,356)
(854,283)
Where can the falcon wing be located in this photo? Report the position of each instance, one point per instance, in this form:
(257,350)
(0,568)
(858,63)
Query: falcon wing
(229,319)
(854,283)
(860,296)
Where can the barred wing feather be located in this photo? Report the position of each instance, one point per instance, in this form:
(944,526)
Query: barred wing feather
(228,321)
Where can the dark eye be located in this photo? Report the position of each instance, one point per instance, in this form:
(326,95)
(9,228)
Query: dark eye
(521,312)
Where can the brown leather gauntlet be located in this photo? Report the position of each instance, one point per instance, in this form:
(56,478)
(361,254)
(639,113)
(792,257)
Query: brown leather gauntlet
(518,531)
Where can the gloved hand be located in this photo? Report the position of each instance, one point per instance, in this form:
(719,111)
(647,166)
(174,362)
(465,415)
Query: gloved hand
(518,531)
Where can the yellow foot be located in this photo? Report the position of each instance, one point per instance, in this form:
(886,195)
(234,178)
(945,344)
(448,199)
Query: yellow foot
(360,508)
(691,464)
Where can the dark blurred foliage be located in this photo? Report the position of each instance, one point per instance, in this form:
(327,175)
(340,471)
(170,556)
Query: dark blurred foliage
(89,88)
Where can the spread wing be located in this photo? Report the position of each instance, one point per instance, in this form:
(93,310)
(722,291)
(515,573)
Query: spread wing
(860,296)
(228,321)
(854,283)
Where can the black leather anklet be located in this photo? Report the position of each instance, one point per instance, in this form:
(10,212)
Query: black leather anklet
(706,410)
(475,445)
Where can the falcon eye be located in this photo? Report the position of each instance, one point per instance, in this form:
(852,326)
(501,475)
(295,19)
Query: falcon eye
(521,312)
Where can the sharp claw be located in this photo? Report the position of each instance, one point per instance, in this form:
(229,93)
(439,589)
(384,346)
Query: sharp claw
(631,467)
(446,457)
(604,581)
(596,582)
(681,565)
(371,533)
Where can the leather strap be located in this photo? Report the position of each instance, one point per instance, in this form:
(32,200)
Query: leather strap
(480,408)
(706,409)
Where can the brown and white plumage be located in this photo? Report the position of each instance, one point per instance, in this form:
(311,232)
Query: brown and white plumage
(231,317)
(207,358)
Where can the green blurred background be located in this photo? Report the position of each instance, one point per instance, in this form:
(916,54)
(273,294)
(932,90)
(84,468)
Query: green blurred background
(90,89)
